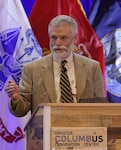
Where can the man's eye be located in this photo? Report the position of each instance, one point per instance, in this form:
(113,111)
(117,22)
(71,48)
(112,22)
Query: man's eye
(64,37)
(53,37)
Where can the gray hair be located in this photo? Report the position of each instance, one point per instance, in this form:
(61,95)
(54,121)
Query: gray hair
(63,20)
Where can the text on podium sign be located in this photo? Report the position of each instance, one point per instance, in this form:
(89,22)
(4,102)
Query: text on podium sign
(84,138)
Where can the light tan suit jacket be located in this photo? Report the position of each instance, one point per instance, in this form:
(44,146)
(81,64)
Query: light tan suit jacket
(37,83)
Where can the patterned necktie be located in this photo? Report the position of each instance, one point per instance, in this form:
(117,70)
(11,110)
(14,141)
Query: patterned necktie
(66,93)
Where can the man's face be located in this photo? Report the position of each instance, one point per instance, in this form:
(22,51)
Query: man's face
(62,41)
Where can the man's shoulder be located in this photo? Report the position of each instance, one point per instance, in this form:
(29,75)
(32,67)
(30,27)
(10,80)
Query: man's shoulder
(84,59)
(40,61)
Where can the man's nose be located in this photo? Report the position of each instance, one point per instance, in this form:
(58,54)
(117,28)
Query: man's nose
(58,41)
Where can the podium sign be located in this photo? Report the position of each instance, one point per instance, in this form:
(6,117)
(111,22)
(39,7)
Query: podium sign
(85,126)
(84,138)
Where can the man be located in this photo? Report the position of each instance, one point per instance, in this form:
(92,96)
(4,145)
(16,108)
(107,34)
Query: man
(40,81)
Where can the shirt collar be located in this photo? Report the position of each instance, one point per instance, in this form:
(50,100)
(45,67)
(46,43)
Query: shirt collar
(70,58)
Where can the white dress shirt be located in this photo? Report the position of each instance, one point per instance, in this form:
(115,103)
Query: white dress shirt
(70,72)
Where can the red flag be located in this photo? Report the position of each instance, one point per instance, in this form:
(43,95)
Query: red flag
(87,42)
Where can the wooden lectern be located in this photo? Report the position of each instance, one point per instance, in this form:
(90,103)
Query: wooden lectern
(52,121)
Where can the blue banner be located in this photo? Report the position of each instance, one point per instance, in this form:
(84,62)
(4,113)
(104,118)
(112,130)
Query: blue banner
(105,18)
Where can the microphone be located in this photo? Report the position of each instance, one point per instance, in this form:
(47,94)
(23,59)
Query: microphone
(64,69)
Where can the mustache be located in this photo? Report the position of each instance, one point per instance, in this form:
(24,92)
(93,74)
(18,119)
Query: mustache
(59,47)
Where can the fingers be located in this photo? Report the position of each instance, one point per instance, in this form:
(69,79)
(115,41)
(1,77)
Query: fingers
(11,88)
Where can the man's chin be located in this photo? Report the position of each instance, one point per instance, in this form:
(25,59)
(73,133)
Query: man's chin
(59,55)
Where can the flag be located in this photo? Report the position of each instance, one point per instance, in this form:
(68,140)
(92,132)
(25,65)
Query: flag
(18,46)
(87,43)
(106,21)
(87,5)
(27,7)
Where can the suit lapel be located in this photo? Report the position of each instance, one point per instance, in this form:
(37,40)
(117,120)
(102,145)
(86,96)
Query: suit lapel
(48,77)
(81,75)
